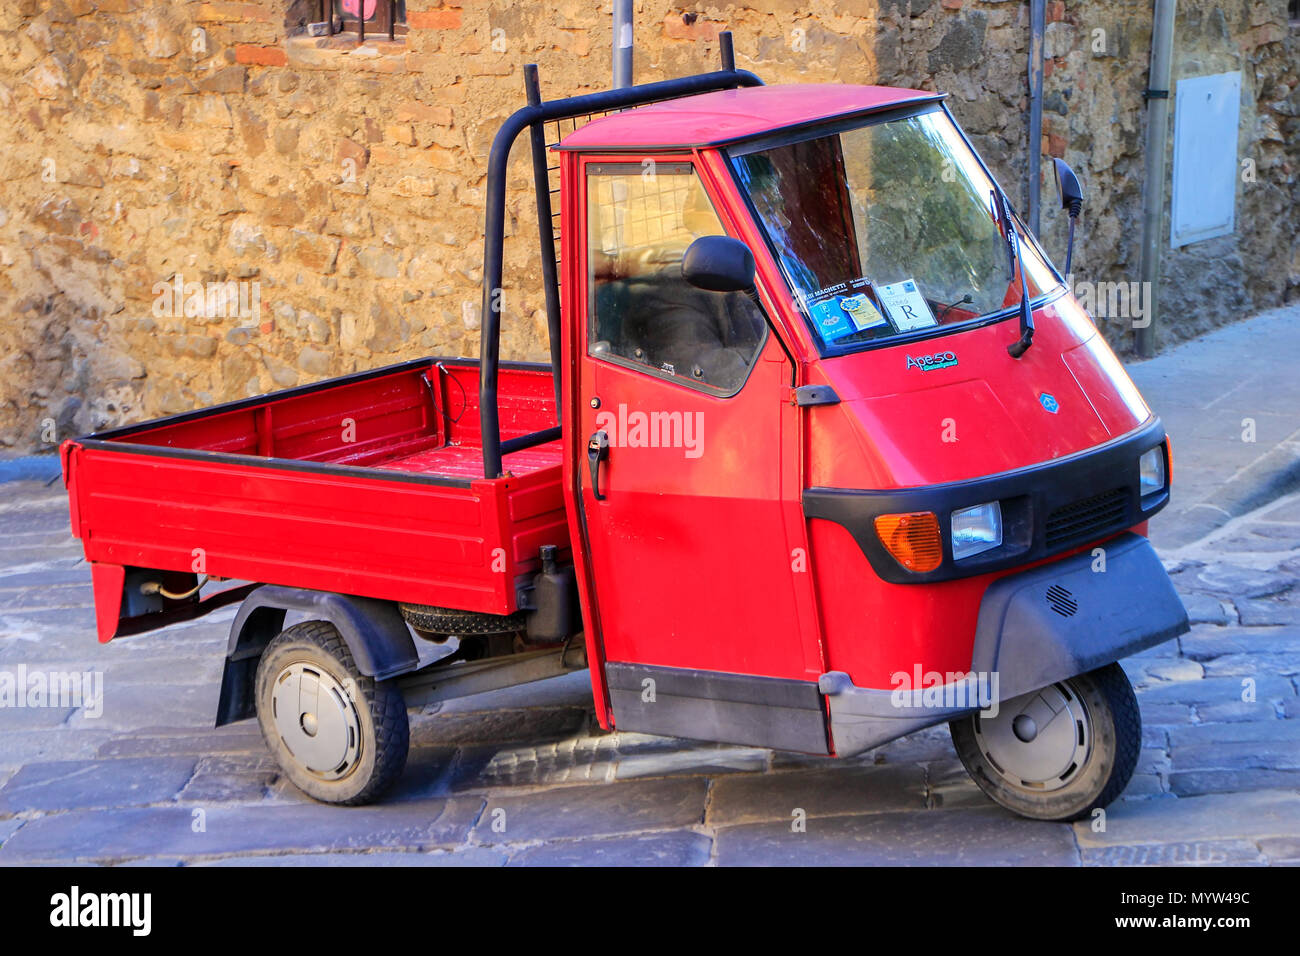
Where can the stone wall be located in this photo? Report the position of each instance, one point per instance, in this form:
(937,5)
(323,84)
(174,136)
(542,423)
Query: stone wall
(153,145)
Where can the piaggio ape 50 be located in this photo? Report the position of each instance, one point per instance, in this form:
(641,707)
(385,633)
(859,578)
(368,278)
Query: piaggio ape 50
(826,452)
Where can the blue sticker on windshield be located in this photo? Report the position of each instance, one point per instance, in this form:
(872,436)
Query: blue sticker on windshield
(832,321)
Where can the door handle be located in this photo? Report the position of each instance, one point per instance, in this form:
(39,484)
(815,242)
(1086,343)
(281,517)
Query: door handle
(597,451)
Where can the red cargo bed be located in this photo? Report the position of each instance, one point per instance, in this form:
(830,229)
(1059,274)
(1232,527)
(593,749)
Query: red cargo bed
(371,484)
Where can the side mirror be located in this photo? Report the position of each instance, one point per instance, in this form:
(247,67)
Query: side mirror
(1068,188)
(718,264)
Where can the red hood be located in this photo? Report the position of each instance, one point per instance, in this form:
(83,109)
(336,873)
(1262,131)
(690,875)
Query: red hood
(901,425)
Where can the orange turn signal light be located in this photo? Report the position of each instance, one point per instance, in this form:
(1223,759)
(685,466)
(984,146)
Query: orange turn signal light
(913,539)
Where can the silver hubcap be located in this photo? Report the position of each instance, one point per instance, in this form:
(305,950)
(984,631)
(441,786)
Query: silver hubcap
(1040,740)
(317,720)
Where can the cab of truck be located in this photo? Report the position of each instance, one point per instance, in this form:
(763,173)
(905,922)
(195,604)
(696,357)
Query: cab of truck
(753,441)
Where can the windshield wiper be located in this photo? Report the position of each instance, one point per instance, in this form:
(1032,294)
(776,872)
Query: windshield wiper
(1014,260)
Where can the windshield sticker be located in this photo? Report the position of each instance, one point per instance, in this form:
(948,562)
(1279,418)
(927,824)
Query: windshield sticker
(907,308)
(845,308)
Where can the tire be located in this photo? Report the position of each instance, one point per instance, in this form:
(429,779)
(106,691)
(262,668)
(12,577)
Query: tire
(455,623)
(340,736)
(1078,759)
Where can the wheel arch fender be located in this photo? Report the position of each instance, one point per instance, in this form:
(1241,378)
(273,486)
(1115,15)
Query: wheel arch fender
(374,631)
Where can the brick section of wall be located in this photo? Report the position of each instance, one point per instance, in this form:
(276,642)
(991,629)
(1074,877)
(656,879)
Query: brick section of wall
(260,55)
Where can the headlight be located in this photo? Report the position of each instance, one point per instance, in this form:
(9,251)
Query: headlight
(1151,471)
(975,530)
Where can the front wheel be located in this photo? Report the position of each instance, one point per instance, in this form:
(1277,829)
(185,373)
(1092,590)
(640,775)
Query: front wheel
(340,736)
(1059,752)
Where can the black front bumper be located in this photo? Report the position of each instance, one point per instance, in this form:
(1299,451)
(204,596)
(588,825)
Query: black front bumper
(1047,509)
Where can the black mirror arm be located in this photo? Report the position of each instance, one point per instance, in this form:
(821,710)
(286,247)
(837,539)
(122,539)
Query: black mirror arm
(1069,243)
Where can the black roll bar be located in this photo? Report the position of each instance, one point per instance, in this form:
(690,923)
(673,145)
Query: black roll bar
(534,116)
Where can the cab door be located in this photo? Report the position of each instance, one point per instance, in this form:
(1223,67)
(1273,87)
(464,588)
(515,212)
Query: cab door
(685,477)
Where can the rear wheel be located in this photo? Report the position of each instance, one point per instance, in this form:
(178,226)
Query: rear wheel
(340,736)
(1058,752)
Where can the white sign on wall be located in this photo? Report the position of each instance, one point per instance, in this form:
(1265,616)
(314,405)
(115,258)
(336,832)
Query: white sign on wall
(1207,113)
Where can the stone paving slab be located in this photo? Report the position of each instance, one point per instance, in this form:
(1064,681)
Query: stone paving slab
(56,573)
(1281,849)
(1144,785)
(1217,691)
(1261,612)
(1157,671)
(1233,711)
(86,784)
(1204,853)
(1204,642)
(1191,783)
(752,798)
(108,836)
(1204,608)
(1250,815)
(33,718)
(1257,754)
(471,856)
(573,813)
(233,738)
(239,778)
(679,848)
(20,747)
(929,838)
(52,597)
(136,706)
(1252,665)
(1269,732)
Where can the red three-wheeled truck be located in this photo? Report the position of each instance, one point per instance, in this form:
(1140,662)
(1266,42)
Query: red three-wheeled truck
(826,452)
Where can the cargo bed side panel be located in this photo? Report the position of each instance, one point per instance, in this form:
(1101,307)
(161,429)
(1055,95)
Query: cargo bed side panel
(390,536)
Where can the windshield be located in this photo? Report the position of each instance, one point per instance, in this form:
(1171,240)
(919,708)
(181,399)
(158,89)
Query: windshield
(885,231)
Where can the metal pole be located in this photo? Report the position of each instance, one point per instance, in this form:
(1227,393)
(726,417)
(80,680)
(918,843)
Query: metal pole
(1038,28)
(545,227)
(622,43)
(1153,189)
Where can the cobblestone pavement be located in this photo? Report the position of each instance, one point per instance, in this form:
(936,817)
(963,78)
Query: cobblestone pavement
(518,778)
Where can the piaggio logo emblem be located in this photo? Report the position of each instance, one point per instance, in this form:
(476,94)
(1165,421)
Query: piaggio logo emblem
(1049,402)
(928,363)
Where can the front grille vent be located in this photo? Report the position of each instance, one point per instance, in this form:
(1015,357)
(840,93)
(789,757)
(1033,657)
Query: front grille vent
(1087,518)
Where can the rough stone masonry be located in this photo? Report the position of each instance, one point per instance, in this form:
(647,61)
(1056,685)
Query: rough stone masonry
(315,207)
